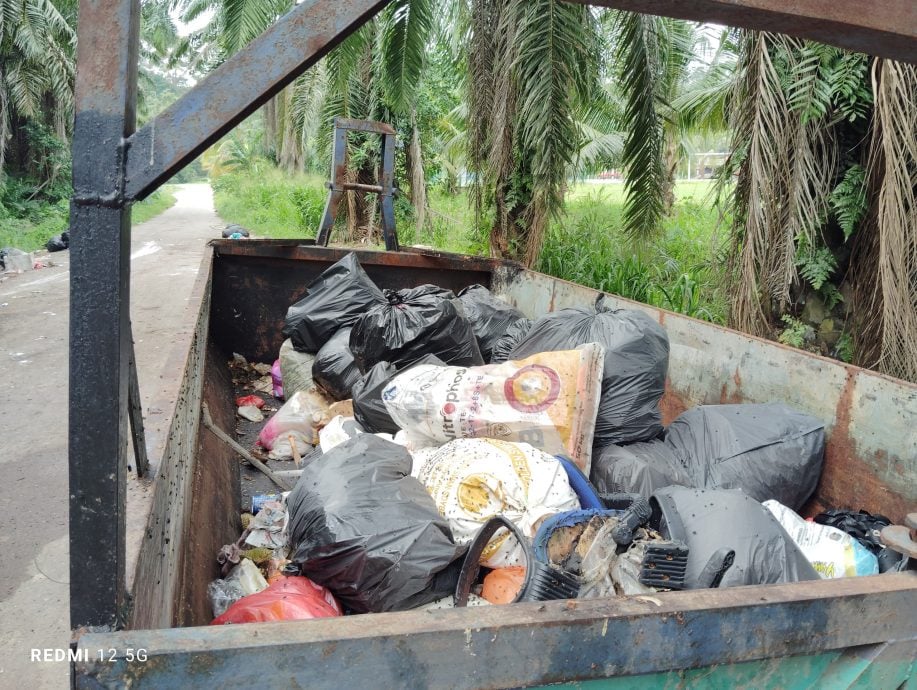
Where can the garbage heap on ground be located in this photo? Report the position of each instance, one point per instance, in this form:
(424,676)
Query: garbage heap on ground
(449,451)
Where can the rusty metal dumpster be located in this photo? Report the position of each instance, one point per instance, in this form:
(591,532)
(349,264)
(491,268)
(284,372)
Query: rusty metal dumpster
(831,633)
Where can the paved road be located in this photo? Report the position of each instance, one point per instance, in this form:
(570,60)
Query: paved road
(166,254)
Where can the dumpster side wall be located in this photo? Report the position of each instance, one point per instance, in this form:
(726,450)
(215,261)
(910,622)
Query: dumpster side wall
(871,456)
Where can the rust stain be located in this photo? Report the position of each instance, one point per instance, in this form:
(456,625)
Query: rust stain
(671,405)
(735,397)
(849,480)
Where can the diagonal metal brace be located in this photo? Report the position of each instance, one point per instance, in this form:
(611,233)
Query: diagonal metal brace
(238,87)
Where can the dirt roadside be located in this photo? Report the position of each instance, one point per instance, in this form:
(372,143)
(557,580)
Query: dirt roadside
(165,256)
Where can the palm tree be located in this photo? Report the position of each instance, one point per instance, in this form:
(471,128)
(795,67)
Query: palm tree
(36,77)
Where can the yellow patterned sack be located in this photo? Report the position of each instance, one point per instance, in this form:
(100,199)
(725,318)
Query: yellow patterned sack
(548,400)
(472,480)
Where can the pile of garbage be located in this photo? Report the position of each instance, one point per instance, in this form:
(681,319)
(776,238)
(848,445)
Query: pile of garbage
(449,451)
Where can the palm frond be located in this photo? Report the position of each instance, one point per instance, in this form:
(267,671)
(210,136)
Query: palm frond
(406,28)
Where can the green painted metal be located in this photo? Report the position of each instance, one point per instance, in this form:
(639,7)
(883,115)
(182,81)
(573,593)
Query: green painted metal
(886,666)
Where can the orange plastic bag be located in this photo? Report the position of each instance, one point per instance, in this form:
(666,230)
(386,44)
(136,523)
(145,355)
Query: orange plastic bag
(501,585)
(291,598)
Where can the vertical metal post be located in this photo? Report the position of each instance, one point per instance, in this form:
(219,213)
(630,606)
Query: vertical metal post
(387,180)
(105,98)
(336,186)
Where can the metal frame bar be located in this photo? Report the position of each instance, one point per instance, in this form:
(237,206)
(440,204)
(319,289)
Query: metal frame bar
(114,165)
(887,28)
(339,184)
(100,333)
(238,87)
(520,645)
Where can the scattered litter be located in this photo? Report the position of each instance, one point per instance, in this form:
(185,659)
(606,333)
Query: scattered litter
(250,400)
(259,500)
(337,431)
(243,580)
(17,261)
(831,552)
(268,529)
(289,598)
(503,585)
(250,412)
(262,369)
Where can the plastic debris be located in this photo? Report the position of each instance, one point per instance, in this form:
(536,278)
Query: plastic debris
(304,413)
(769,451)
(490,317)
(363,527)
(58,243)
(548,400)
(338,430)
(831,552)
(636,362)
(413,323)
(289,598)
(295,369)
(334,300)
(472,480)
(503,585)
(250,400)
(268,529)
(334,368)
(251,413)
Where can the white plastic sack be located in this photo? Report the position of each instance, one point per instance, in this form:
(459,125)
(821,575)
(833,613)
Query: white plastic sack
(548,400)
(304,412)
(833,553)
(295,369)
(337,431)
(471,480)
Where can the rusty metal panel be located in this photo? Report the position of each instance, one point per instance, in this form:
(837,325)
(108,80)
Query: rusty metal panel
(519,645)
(238,87)
(871,456)
(887,28)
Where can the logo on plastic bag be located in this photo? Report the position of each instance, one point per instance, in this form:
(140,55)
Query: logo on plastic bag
(534,388)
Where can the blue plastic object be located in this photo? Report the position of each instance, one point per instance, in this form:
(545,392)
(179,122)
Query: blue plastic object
(582,487)
(559,520)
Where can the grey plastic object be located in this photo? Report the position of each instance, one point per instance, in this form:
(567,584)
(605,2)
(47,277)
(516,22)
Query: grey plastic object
(770,451)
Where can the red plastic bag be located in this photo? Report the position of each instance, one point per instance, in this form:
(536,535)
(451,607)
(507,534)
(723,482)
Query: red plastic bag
(250,400)
(291,598)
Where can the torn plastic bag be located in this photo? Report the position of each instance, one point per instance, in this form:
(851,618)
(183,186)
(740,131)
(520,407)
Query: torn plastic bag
(333,301)
(770,451)
(363,527)
(304,413)
(289,598)
(636,362)
(368,408)
(338,430)
(334,369)
(831,552)
(471,480)
(490,317)
(866,529)
(708,520)
(295,369)
(413,323)
(548,400)
(505,343)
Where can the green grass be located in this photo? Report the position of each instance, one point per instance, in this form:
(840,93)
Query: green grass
(680,270)
(31,233)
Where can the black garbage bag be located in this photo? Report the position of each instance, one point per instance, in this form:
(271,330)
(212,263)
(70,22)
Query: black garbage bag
(636,362)
(513,336)
(710,520)
(235,230)
(58,243)
(368,408)
(334,369)
(413,323)
(769,451)
(490,317)
(364,528)
(866,529)
(333,301)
